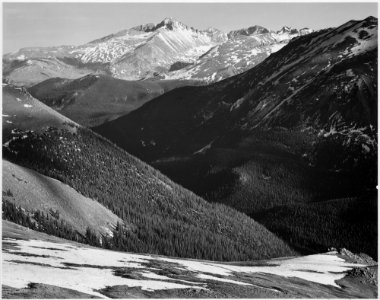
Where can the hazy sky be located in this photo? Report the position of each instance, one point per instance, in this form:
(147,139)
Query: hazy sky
(52,24)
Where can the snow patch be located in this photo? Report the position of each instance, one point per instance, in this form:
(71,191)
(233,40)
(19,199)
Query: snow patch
(204,149)
(204,276)
(80,278)
(320,268)
(92,269)
(237,104)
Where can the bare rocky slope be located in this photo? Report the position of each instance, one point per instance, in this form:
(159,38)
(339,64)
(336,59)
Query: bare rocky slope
(33,191)
(21,111)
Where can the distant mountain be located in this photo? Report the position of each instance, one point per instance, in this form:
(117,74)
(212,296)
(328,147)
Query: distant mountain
(273,93)
(168,42)
(90,168)
(299,127)
(135,53)
(253,30)
(244,49)
(42,65)
(94,99)
(148,51)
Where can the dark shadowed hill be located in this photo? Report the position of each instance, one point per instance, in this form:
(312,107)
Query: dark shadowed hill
(95,99)
(158,215)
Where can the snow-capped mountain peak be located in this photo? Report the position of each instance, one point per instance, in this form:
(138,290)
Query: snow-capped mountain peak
(286,33)
(287,30)
(252,30)
(167,23)
(305,30)
(170,24)
(284,29)
(170,21)
(151,49)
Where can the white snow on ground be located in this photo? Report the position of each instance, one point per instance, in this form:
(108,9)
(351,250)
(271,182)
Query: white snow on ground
(87,277)
(276,47)
(204,149)
(152,275)
(83,279)
(80,278)
(209,277)
(237,103)
(350,73)
(320,268)
(28,105)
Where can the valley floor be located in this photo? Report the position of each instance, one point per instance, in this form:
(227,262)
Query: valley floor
(36,265)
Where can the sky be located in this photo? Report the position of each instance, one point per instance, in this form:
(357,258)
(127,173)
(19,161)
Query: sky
(53,24)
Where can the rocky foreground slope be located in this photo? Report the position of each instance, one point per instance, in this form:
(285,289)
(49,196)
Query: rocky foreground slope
(37,265)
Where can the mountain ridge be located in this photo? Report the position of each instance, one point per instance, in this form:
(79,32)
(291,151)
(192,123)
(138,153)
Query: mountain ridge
(143,51)
(94,99)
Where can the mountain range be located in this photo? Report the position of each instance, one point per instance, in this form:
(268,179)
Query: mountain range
(270,95)
(151,51)
(160,57)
